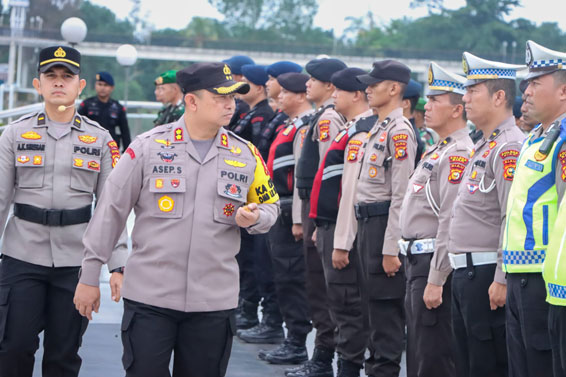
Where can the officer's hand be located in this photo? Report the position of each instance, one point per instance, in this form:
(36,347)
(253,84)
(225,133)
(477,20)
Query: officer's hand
(247,215)
(340,258)
(87,299)
(497,295)
(297,230)
(432,296)
(391,264)
(116,279)
(313,238)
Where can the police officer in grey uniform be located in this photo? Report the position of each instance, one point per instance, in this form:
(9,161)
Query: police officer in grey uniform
(52,163)
(478,219)
(424,221)
(193,184)
(387,162)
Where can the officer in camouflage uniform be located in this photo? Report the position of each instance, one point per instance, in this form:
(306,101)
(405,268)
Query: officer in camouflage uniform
(171,97)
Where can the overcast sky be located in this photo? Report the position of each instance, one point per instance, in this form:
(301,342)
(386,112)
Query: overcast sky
(331,14)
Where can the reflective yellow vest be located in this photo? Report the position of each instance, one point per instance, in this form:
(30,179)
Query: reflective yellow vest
(532,207)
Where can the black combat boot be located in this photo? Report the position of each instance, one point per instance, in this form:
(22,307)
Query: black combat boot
(348,369)
(263,333)
(247,315)
(320,365)
(292,351)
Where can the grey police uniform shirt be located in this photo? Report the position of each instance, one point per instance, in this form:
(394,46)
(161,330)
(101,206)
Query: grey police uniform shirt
(477,220)
(388,161)
(185,236)
(39,167)
(427,205)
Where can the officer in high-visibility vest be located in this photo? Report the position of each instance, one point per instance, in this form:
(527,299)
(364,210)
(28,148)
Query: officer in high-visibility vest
(531,210)
(540,181)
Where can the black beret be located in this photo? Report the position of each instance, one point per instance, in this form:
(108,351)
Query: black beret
(105,77)
(236,62)
(387,70)
(346,79)
(255,74)
(293,82)
(283,66)
(323,69)
(59,55)
(214,77)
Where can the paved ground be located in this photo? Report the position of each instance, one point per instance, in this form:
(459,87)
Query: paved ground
(102,348)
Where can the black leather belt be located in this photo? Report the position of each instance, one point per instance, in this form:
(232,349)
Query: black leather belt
(52,217)
(367,210)
(323,223)
(285,201)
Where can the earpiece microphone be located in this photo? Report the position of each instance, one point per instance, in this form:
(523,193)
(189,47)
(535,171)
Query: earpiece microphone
(62,108)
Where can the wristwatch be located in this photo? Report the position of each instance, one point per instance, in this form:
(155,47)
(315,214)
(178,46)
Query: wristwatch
(119,269)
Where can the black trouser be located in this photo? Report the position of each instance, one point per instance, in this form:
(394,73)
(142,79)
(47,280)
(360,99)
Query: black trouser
(528,342)
(263,271)
(344,298)
(383,298)
(246,262)
(316,285)
(33,299)
(289,275)
(479,331)
(429,332)
(202,341)
(557,331)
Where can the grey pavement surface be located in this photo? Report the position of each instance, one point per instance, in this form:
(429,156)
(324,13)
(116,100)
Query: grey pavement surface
(102,348)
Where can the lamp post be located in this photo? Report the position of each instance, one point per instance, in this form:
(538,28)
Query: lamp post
(73,30)
(126,55)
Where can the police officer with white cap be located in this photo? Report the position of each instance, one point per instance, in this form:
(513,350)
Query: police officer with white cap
(424,221)
(478,219)
(536,192)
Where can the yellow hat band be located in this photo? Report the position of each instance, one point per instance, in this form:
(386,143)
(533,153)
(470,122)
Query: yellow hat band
(60,60)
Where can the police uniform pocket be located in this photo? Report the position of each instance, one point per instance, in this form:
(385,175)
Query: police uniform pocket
(168,196)
(230,196)
(4,295)
(376,167)
(85,169)
(30,170)
(429,317)
(126,328)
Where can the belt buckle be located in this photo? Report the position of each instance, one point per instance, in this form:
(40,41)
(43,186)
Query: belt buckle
(52,217)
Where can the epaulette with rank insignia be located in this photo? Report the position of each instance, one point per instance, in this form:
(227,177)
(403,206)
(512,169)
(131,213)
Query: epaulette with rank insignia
(494,134)
(362,125)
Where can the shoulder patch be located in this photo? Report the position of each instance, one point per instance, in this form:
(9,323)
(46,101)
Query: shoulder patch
(457,166)
(400,143)
(510,153)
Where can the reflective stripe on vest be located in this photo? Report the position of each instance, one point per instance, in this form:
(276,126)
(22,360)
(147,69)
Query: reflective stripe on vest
(281,163)
(531,208)
(554,268)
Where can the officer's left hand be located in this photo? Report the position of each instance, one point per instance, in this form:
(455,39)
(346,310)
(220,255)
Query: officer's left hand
(391,264)
(497,295)
(247,215)
(116,279)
